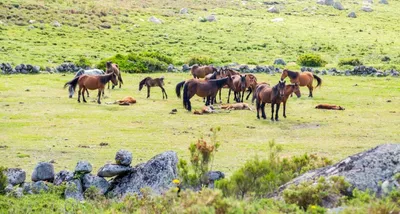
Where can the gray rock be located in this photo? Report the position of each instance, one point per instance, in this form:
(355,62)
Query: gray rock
(74,190)
(9,188)
(185,67)
(215,175)
(183,11)
(211,18)
(56,24)
(27,188)
(155,20)
(157,174)
(325,2)
(83,167)
(123,157)
(273,9)
(18,193)
(171,68)
(43,172)
(105,25)
(366,9)
(63,176)
(352,15)
(338,6)
(15,176)
(35,69)
(383,2)
(38,187)
(279,62)
(244,68)
(111,170)
(100,183)
(385,59)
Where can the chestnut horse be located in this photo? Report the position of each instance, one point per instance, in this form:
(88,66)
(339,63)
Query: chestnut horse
(303,79)
(91,82)
(203,89)
(149,82)
(289,89)
(113,68)
(274,95)
(201,71)
(81,72)
(239,87)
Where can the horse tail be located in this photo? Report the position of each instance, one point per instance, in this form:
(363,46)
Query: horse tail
(186,101)
(141,84)
(72,83)
(319,80)
(178,89)
(120,78)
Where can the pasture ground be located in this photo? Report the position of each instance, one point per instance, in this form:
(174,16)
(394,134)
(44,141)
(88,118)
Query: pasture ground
(42,124)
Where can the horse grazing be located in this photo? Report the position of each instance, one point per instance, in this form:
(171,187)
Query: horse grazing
(329,106)
(239,87)
(113,68)
(201,71)
(203,89)
(302,79)
(91,82)
(289,89)
(149,82)
(81,72)
(272,95)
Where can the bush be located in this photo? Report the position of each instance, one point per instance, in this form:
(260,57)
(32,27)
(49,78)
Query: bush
(83,62)
(311,60)
(350,61)
(200,60)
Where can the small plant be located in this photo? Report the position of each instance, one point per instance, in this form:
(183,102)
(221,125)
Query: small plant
(93,193)
(200,60)
(311,60)
(350,61)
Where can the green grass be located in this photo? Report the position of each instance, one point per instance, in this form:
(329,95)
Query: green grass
(49,126)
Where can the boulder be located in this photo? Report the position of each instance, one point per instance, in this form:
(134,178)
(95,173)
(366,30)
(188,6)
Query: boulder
(155,20)
(366,9)
(18,192)
(273,9)
(279,62)
(183,11)
(352,15)
(214,176)
(365,170)
(100,183)
(43,172)
(74,190)
(27,188)
(338,6)
(383,2)
(63,176)
(185,67)
(211,18)
(111,170)
(83,167)
(15,176)
(39,186)
(123,157)
(35,69)
(156,174)
(171,68)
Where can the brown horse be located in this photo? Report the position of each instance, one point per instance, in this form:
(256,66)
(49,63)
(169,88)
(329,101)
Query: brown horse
(113,68)
(149,82)
(201,71)
(274,95)
(329,107)
(91,82)
(251,81)
(303,79)
(289,89)
(239,87)
(203,89)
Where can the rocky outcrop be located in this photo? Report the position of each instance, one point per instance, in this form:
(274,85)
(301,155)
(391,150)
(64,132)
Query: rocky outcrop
(43,172)
(156,174)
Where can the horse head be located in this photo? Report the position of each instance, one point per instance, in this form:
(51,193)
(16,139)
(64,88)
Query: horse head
(296,89)
(242,82)
(114,78)
(108,64)
(281,89)
(230,81)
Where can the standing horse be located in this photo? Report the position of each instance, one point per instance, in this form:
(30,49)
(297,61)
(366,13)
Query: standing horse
(81,72)
(113,68)
(149,82)
(239,87)
(201,71)
(302,79)
(91,82)
(251,84)
(272,95)
(289,89)
(203,89)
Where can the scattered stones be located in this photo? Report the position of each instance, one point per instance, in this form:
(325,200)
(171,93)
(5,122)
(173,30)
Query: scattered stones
(63,176)
(155,20)
(352,15)
(100,183)
(273,9)
(366,9)
(38,187)
(74,190)
(27,189)
(83,167)
(15,176)
(17,193)
(337,5)
(214,176)
(111,170)
(183,11)
(43,172)
(279,62)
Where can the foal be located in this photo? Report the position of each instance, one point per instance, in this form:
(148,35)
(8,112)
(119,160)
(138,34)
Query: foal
(149,82)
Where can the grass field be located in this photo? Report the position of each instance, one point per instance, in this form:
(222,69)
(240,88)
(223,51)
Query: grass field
(42,124)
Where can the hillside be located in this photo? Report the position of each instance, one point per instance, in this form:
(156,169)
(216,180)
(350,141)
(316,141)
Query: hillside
(50,32)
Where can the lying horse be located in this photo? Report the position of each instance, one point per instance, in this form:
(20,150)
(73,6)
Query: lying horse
(302,79)
(149,82)
(113,68)
(202,71)
(329,106)
(236,106)
(92,72)
(274,95)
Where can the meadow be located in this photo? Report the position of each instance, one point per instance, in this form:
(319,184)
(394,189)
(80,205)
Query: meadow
(38,122)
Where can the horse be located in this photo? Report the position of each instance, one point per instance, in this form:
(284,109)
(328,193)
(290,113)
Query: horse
(92,82)
(201,71)
(149,82)
(203,89)
(113,68)
(329,107)
(81,72)
(289,89)
(302,79)
(272,95)
(237,106)
(239,87)
(251,84)
(261,84)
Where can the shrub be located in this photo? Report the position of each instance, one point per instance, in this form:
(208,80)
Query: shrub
(83,62)
(311,60)
(3,180)
(200,60)
(350,61)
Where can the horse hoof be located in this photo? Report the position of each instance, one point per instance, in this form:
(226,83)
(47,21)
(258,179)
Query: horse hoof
(284,116)
(84,101)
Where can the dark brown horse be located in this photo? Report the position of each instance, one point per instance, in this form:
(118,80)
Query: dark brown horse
(239,87)
(201,71)
(149,82)
(289,89)
(207,89)
(274,95)
(92,83)
(302,79)
(113,68)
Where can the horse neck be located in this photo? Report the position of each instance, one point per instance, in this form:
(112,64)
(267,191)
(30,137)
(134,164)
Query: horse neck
(292,74)
(105,78)
(288,90)
(221,82)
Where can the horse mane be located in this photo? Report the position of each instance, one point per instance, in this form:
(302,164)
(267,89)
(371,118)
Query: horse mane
(143,82)
(105,78)
(292,74)
(275,90)
(220,82)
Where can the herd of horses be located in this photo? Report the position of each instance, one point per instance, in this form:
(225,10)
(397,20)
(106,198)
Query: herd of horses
(207,82)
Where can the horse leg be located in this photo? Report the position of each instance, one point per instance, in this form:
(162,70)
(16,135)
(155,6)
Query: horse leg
(87,92)
(258,109)
(220,101)
(148,91)
(243,96)
(108,85)
(277,111)
(272,111)
(79,94)
(99,95)
(164,92)
(263,115)
(247,98)
(310,88)
(229,94)
(284,109)
(208,101)
(83,94)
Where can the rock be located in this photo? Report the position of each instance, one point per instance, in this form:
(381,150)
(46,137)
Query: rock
(338,6)
(352,15)
(56,24)
(244,68)
(215,175)
(211,18)
(155,20)
(63,176)
(74,190)
(185,67)
(35,69)
(111,170)
(385,59)
(123,157)
(105,25)
(157,174)
(100,183)
(18,193)
(43,172)
(9,188)
(27,188)
(83,167)
(325,2)
(39,186)
(31,21)
(171,68)
(363,171)
(273,9)
(277,20)
(279,62)
(15,176)
(366,9)
(383,2)
(183,11)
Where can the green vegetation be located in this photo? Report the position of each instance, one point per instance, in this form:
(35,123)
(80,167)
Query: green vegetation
(200,60)
(83,62)
(350,61)
(311,60)
(3,180)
